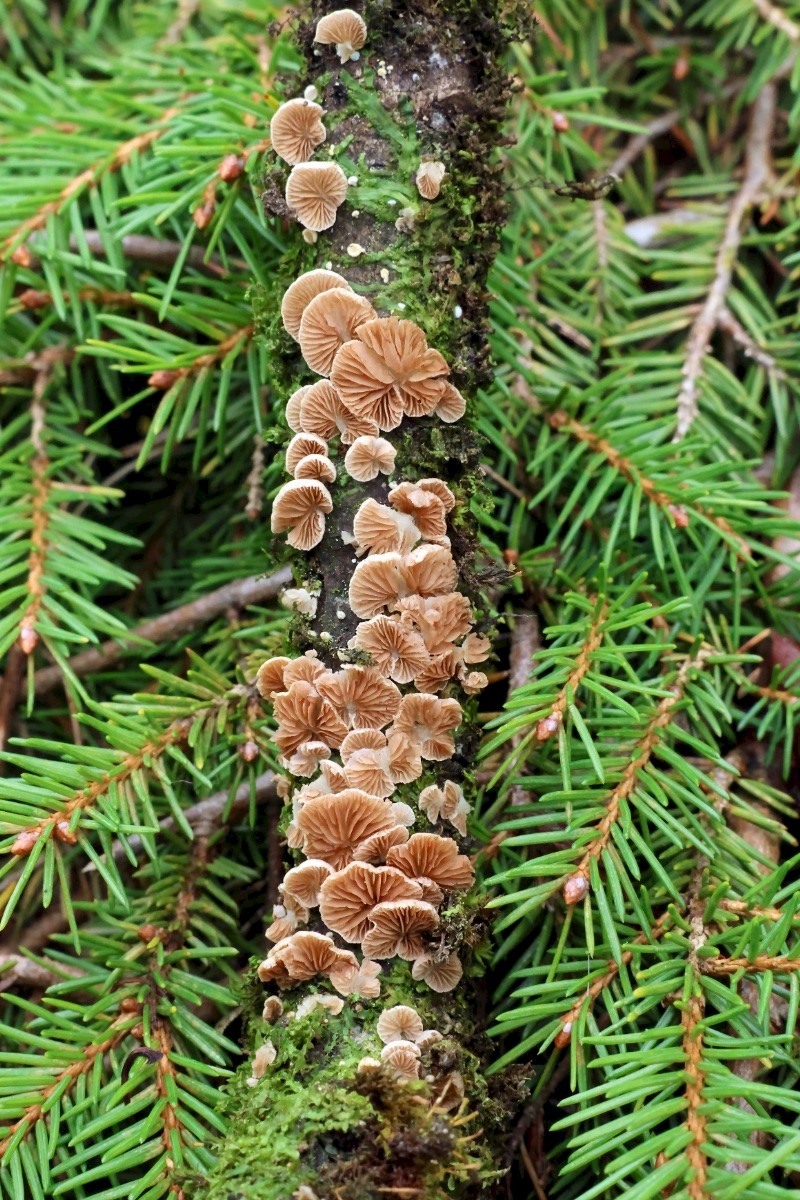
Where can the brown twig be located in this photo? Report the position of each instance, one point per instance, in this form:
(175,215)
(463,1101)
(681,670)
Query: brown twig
(245,592)
(186,11)
(255,480)
(691,1018)
(727,322)
(777,17)
(757,167)
(17,970)
(525,642)
(167,377)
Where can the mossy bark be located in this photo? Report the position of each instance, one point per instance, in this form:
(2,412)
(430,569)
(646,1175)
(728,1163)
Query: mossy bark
(430,83)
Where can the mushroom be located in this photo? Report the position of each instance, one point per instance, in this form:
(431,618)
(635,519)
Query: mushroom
(474,682)
(269,679)
(428,1037)
(314,192)
(396,649)
(441,620)
(333,826)
(329,321)
(361,696)
(304,881)
(273,1008)
(398,929)
(387,371)
(296,130)
(348,897)
(285,922)
(426,508)
(343,29)
(430,891)
(377,583)
(437,672)
(293,409)
(399,1023)
(447,804)
(403,1058)
(430,571)
(302,292)
(441,976)
(448,1092)
(429,179)
(301,600)
(375,848)
(306,759)
(368,456)
(300,507)
(304,955)
(301,445)
(434,857)
(334,777)
(365,982)
(323,413)
(315,466)
(380,530)
(307,668)
(333,1004)
(367,1065)
(378,767)
(451,406)
(264,1057)
(305,716)
(428,722)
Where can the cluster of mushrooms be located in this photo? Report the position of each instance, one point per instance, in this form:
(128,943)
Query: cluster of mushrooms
(354,734)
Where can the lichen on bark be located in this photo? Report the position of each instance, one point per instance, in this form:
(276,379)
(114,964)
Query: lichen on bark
(430,83)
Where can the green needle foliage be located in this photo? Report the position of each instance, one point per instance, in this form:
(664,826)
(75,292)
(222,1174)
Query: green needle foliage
(641,774)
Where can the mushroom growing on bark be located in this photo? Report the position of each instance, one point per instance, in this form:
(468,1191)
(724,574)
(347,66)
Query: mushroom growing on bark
(314,191)
(300,293)
(296,130)
(343,29)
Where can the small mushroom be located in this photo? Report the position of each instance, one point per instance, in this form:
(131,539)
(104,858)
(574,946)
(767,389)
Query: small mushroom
(293,409)
(300,600)
(264,1057)
(423,505)
(399,928)
(379,768)
(323,413)
(299,509)
(446,804)
(333,826)
(403,1058)
(269,679)
(333,1004)
(361,696)
(348,897)
(343,29)
(368,457)
(441,976)
(304,881)
(429,179)
(380,530)
(377,583)
(273,1008)
(305,716)
(399,1023)
(296,130)
(428,722)
(316,466)
(434,857)
(428,1037)
(451,406)
(301,445)
(430,571)
(368,1065)
(304,955)
(365,983)
(302,292)
(395,648)
(375,848)
(314,192)
(329,321)
(307,668)
(441,620)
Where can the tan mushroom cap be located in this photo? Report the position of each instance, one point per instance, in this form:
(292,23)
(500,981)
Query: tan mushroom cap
(273,1008)
(374,849)
(333,1004)
(344,29)
(304,881)
(424,506)
(428,1037)
(301,957)
(323,413)
(301,445)
(333,826)
(306,759)
(330,320)
(284,923)
(429,179)
(451,406)
(377,582)
(335,778)
(378,769)
(440,976)
(430,571)
(367,738)
(437,673)
(264,1057)
(316,466)
(296,130)
(365,982)
(367,1065)
(403,1058)
(300,507)
(399,1024)
(396,649)
(368,457)
(361,696)
(436,487)
(307,668)
(305,716)
(474,682)
(433,857)
(269,679)
(380,530)
(302,292)
(441,620)
(314,192)
(294,409)
(399,928)
(446,804)
(430,891)
(348,897)
(389,371)
(429,722)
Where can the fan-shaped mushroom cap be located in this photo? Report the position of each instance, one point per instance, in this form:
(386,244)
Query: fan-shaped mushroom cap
(451,406)
(378,582)
(474,682)
(269,679)
(333,1004)
(441,620)
(323,413)
(307,668)
(273,1008)
(437,487)
(334,777)
(284,923)
(389,371)
(365,983)
(301,600)
(399,928)
(399,1023)
(368,457)
(447,804)
(381,530)
(362,697)
(302,956)
(430,571)
(300,508)
(301,445)
(374,849)
(333,826)
(430,891)
(316,466)
(306,759)
(302,292)
(305,716)
(378,769)
(367,1065)
(303,882)
(424,506)
(296,130)
(294,407)
(264,1057)
(429,722)
(348,897)
(362,739)
(438,672)
(314,192)
(429,179)
(344,29)
(330,320)
(428,1037)
(396,649)
(441,976)
(403,1058)
(434,857)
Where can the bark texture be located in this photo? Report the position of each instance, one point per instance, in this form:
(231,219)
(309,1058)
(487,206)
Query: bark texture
(430,83)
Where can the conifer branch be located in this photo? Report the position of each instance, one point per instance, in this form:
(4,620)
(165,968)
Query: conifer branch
(778,18)
(779,963)
(691,1018)
(167,377)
